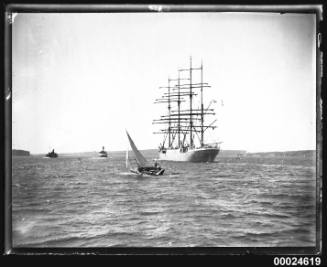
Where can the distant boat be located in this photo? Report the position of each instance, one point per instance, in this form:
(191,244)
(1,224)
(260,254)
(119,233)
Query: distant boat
(143,167)
(103,153)
(52,154)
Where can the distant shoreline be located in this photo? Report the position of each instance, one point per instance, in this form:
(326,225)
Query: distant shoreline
(223,153)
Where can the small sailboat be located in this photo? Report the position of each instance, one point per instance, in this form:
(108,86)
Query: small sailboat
(143,166)
(52,154)
(103,153)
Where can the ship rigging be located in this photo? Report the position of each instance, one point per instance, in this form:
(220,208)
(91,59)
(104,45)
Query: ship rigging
(184,121)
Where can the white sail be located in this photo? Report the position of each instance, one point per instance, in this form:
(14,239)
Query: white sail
(141,161)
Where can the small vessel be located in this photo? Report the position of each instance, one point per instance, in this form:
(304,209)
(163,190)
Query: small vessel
(184,120)
(143,166)
(103,153)
(52,154)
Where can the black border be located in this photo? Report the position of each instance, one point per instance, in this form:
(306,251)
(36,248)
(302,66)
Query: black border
(69,6)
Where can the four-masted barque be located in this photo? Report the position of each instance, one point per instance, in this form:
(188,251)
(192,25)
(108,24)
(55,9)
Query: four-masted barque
(184,122)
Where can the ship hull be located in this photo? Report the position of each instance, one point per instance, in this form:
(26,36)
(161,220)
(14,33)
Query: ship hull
(193,155)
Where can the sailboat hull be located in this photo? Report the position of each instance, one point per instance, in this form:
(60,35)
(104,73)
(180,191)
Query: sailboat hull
(153,172)
(192,155)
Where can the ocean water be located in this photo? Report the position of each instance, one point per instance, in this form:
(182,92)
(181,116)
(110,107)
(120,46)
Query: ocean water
(95,202)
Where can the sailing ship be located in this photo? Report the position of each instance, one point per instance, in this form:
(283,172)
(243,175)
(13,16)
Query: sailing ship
(143,166)
(183,120)
(52,154)
(103,153)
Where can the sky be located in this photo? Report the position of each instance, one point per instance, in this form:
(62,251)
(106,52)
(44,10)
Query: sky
(79,80)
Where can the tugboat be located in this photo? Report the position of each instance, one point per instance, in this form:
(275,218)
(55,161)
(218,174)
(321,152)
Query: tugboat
(103,153)
(52,154)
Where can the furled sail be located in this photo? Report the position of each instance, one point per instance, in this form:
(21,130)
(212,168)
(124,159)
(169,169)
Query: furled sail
(141,161)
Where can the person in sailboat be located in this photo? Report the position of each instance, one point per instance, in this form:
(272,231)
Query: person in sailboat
(156,164)
(156,167)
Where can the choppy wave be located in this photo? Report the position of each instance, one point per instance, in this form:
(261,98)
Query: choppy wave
(88,202)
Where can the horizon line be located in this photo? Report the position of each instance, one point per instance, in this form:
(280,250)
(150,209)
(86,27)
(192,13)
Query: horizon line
(243,150)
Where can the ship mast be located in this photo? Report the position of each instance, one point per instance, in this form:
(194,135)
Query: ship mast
(179,109)
(169,121)
(184,121)
(191,102)
(201,104)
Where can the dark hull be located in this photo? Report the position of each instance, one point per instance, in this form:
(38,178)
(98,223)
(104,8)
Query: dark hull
(103,154)
(149,171)
(52,155)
